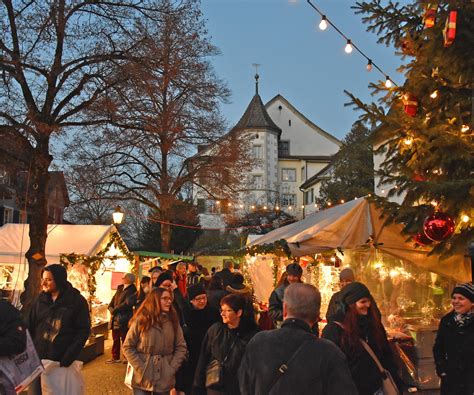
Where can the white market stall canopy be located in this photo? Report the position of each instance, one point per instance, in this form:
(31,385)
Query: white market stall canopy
(62,239)
(351,225)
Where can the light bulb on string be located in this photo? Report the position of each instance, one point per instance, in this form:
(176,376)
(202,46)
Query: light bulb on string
(408,141)
(369,65)
(434,95)
(465,218)
(388,82)
(465,128)
(323,25)
(348,47)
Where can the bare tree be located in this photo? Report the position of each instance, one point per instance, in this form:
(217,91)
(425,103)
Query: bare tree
(57,58)
(166,108)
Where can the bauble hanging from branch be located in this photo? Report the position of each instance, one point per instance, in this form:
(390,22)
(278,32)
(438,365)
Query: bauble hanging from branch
(429,17)
(410,104)
(439,226)
(449,31)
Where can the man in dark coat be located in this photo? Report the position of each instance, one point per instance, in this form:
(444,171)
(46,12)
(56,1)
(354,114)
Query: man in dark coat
(291,360)
(226,274)
(275,304)
(12,338)
(121,310)
(59,320)
(346,276)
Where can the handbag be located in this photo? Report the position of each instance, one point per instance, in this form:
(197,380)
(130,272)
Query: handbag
(215,370)
(128,376)
(388,383)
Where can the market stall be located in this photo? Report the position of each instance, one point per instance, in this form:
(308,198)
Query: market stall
(411,287)
(94,255)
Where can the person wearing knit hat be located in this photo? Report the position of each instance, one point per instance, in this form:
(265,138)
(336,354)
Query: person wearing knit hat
(358,322)
(275,304)
(454,344)
(166,278)
(346,276)
(59,321)
(195,290)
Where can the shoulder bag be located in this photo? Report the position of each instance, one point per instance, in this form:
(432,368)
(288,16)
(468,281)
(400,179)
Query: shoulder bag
(215,370)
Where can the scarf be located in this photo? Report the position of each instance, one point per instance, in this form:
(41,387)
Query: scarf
(462,320)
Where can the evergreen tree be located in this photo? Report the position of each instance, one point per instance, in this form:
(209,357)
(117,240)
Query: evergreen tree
(426,135)
(352,169)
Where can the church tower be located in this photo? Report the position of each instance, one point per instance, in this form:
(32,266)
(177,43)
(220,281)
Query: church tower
(263,180)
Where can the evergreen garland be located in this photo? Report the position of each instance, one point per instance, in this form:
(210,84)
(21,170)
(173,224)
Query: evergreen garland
(93,263)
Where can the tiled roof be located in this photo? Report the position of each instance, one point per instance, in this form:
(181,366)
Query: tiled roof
(256,117)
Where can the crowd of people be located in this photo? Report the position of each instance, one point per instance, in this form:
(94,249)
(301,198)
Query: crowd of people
(188,332)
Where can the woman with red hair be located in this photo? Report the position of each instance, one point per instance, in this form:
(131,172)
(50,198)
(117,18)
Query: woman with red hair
(155,345)
(358,321)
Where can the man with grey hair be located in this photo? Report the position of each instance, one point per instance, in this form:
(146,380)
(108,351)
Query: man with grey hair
(121,311)
(291,360)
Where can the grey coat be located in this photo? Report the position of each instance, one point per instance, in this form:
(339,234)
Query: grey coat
(155,355)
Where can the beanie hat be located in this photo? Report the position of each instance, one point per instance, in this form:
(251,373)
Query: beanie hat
(59,274)
(465,289)
(346,274)
(195,290)
(354,292)
(293,269)
(162,278)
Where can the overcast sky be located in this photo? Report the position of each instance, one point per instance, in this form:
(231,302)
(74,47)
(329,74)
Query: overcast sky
(307,66)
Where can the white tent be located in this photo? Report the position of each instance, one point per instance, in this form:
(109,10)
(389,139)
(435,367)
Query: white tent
(62,239)
(349,226)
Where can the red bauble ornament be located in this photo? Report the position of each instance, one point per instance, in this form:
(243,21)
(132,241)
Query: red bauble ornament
(429,18)
(421,239)
(449,32)
(410,104)
(438,226)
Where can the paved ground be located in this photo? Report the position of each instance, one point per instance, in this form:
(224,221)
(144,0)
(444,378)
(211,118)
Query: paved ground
(101,378)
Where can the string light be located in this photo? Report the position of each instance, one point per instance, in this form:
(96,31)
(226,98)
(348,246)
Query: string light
(408,141)
(264,207)
(388,82)
(229,204)
(241,206)
(289,207)
(434,95)
(217,202)
(277,208)
(464,128)
(323,25)
(369,65)
(302,206)
(342,201)
(465,218)
(329,204)
(350,45)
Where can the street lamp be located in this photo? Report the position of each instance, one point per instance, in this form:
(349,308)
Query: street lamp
(117,215)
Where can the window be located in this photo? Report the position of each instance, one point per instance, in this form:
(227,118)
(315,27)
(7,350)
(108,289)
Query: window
(4,178)
(309,196)
(288,199)
(283,148)
(312,195)
(257,182)
(257,151)
(7,215)
(303,178)
(288,175)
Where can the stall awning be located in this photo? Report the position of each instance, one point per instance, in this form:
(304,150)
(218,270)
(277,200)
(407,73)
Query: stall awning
(349,226)
(163,255)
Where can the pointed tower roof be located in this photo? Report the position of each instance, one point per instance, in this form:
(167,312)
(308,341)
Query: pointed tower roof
(256,116)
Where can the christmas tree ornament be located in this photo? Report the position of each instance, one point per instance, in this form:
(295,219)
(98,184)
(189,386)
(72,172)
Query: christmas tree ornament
(418,177)
(449,31)
(407,45)
(439,226)
(421,239)
(429,18)
(410,104)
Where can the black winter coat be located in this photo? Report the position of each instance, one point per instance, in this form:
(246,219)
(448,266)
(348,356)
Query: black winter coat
(214,297)
(60,328)
(275,303)
(226,276)
(12,330)
(319,368)
(197,324)
(364,370)
(454,356)
(217,345)
(121,306)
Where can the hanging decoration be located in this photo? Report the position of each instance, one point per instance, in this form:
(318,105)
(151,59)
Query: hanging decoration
(407,45)
(429,18)
(439,226)
(449,31)
(278,248)
(410,104)
(421,239)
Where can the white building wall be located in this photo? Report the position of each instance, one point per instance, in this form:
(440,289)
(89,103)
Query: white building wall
(304,139)
(382,189)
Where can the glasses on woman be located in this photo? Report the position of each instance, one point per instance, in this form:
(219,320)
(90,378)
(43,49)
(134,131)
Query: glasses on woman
(166,298)
(201,298)
(226,311)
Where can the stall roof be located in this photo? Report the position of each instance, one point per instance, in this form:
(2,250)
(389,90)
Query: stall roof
(163,255)
(349,226)
(62,239)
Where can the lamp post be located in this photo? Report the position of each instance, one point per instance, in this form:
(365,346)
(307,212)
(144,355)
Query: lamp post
(117,215)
